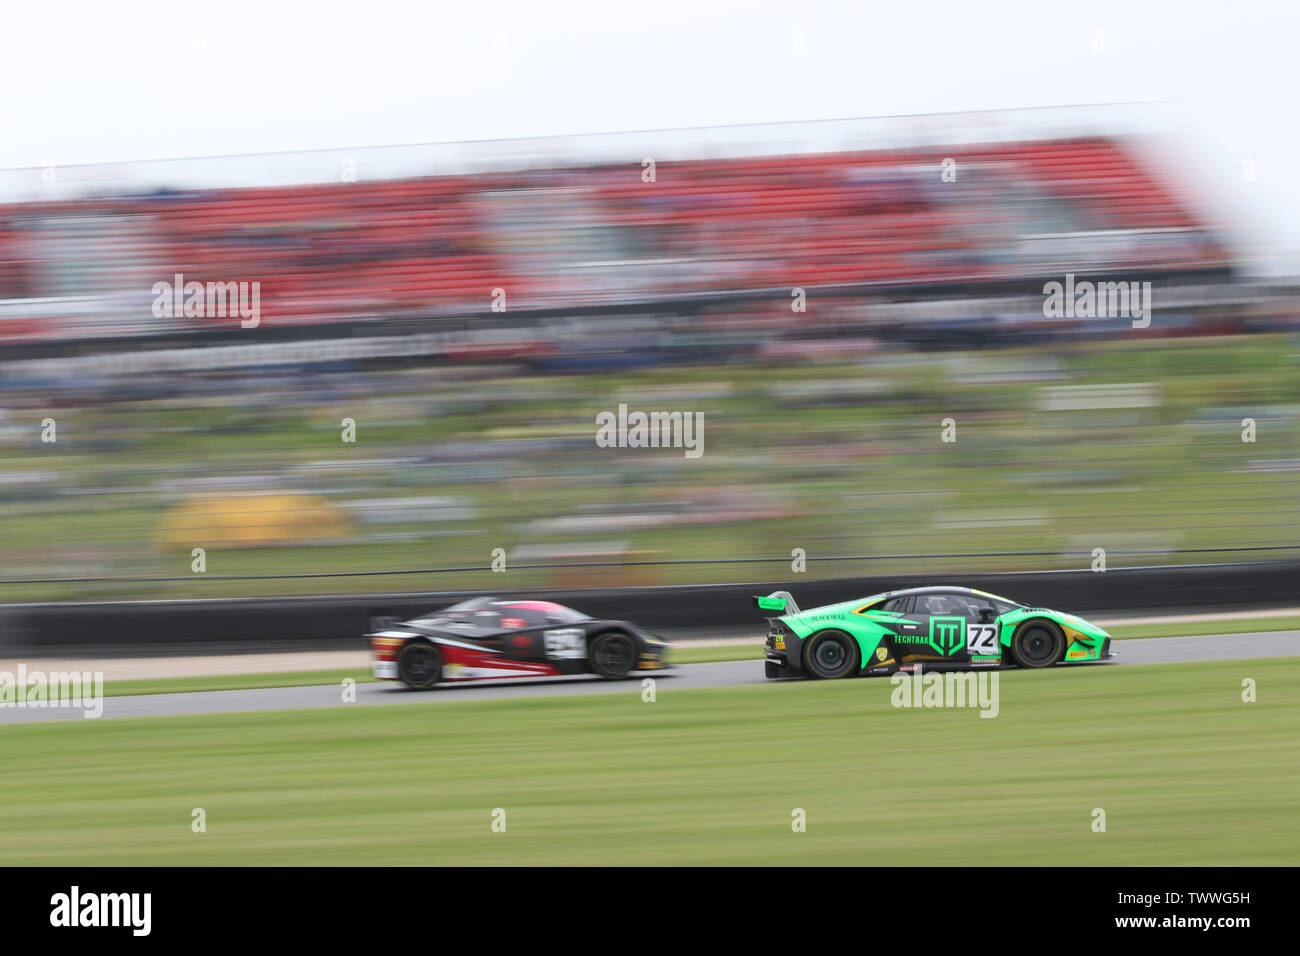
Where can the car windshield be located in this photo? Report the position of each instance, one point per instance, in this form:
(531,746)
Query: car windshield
(997,599)
(541,612)
(458,611)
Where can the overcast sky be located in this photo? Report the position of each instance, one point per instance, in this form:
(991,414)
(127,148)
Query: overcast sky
(90,82)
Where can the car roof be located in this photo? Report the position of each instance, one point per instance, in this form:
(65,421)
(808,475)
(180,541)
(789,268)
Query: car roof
(483,601)
(546,606)
(928,589)
(936,588)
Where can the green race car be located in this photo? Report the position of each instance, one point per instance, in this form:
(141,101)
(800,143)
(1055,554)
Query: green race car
(928,627)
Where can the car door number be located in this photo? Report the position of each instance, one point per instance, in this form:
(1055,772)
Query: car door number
(981,639)
(565,643)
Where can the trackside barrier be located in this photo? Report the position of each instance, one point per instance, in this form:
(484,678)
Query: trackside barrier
(245,625)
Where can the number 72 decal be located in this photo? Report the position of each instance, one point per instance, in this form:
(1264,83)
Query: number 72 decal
(982,639)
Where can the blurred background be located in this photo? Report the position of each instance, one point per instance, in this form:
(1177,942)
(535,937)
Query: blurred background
(473,308)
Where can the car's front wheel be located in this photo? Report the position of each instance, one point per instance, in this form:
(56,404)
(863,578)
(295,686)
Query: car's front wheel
(612,655)
(1037,644)
(831,654)
(419,666)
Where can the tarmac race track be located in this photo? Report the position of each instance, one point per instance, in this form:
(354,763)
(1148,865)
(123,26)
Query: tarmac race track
(1209,647)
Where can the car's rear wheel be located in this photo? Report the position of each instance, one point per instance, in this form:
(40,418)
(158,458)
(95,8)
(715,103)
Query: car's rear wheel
(612,655)
(419,665)
(1037,644)
(831,654)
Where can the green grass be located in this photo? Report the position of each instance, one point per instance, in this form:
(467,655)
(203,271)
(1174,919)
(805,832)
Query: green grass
(183,685)
(685,654)
(1186,772)
(1249,625)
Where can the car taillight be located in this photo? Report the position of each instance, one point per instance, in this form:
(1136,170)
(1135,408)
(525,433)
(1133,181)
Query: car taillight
(386,647)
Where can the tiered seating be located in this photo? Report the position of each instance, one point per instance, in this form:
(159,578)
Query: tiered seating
(442,244)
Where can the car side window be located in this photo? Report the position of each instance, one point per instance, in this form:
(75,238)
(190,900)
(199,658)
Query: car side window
(898,605)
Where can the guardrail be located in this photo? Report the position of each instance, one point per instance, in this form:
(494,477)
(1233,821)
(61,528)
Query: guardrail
(246,625)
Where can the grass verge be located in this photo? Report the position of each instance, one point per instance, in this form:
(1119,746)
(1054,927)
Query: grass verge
(1186,772)
(1248,625)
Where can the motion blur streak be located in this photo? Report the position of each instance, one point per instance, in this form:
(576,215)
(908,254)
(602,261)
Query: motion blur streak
(862,330)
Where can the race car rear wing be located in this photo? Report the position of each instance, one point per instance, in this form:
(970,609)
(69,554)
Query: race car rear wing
(780,601)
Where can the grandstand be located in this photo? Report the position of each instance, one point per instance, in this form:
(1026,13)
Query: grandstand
(600,235)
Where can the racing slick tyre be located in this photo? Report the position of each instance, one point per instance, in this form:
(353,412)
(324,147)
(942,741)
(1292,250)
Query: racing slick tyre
(1037,644)
(419,666)
(612,655)
(831,654)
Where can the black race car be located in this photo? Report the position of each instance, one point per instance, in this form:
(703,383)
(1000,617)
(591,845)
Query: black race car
(491,639)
